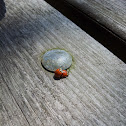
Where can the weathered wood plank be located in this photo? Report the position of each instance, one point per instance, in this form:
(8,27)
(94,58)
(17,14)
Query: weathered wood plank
(93,94)
(109,13)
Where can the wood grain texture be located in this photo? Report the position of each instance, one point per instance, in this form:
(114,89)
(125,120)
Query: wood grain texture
(93,94)
(109,13)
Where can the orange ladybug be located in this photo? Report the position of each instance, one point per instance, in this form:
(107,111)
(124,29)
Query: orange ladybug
(59,73)
(64,74)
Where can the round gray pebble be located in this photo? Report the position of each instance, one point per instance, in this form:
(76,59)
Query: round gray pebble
(55,59)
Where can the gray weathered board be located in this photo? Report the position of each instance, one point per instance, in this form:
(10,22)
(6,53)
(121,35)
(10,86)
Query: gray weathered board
(93,94)
(109,13)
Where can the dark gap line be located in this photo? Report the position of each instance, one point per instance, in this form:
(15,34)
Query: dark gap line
(103,35)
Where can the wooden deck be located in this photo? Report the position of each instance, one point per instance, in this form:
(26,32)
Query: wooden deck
(109,13)
(82,13)
(94,93)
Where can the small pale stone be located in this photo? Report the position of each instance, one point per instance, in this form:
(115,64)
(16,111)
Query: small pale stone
(55,59)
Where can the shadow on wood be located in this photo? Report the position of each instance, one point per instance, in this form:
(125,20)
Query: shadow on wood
(24,28)
(2,9)
(106,37)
